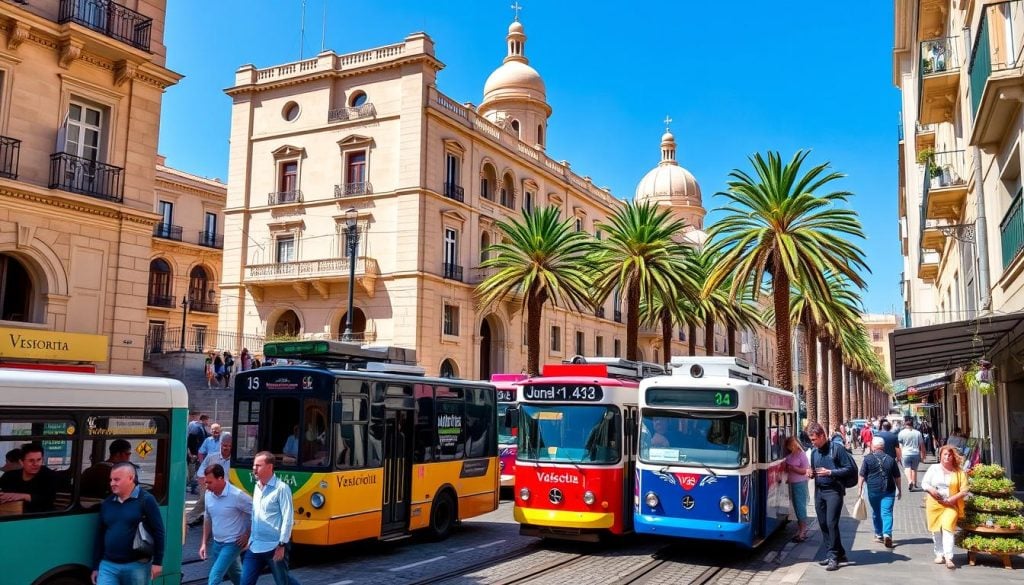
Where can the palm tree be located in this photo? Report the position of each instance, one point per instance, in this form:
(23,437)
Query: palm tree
(641,257)
(541,259)
(777,224)
(842,315)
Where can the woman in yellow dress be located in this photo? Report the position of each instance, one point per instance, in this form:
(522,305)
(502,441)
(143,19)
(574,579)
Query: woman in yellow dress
(946,486)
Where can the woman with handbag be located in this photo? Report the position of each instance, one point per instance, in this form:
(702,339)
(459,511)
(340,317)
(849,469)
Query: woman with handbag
(796,468)
(946,486)
(880,473)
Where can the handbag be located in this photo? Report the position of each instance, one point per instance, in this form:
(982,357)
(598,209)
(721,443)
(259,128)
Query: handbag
(860,509)
(142,545)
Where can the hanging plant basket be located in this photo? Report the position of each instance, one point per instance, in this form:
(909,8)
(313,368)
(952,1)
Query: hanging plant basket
(979,378)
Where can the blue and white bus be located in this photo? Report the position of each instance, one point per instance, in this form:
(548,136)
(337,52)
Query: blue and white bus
(711,453)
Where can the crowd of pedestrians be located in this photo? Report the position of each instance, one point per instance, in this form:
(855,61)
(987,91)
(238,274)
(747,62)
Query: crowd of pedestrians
(219,368)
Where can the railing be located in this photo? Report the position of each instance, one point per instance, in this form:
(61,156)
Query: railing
(453,191)
(88,177)
(350,189)
(997,47)
(204,341)
(942,170)
(203,306)
(1011,230)
(167,231)
(10,152)
(359,336)
(281,197)
(939,56)
(925,128)
(161,301)
(109,18)
(306,268)
(354,113)
(211,240)
(453,271)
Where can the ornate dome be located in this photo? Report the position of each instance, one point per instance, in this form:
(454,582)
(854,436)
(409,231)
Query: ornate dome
(670,184)
(515,78)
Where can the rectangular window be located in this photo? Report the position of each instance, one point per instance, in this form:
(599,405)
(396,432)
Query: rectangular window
(580,344)
(210,224)
(876,335)
(289,178)
(166,211)
(579,224)
(350,433)
(617,345)
(84,130)
(451,410)
(285,249)
(355,168)
(451,320)
(528,201)
(451,246)
(451,169)
(599,346)
(556,338)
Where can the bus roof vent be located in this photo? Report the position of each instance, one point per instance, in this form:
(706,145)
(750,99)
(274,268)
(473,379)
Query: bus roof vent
(621,368)
(711,367)
(395,368)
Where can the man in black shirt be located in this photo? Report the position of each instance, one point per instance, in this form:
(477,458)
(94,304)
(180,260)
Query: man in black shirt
(830,464)
(35,484)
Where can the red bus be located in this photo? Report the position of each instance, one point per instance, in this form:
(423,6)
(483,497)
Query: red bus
(506,385)
(574,475)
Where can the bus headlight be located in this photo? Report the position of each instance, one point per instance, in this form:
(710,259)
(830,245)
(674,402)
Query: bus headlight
(588,498)
(652,499)
(317,500)
(726,505)
(524,494)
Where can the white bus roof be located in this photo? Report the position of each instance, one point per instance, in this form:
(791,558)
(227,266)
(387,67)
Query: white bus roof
(725,367)
(27,389)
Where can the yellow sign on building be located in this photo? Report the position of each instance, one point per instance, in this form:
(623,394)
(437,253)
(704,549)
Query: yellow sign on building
(52,345)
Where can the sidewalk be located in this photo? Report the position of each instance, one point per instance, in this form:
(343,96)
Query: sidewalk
(909,563)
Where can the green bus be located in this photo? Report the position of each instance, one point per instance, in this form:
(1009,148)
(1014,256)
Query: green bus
(75,417)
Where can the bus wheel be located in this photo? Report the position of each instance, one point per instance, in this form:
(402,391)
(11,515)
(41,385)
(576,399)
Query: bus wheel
(442,516)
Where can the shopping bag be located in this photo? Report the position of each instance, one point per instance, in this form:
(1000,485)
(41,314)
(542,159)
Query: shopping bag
(860,509)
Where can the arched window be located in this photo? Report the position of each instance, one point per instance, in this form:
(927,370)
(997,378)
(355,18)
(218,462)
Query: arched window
(488,182)
(540,134)
(198,285)
(15,290)
(508,191)
(287,325)
(358,325)
(515,128)
(160,284)
(448,369)
(485,242)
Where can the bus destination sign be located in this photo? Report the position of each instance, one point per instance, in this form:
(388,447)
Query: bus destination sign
(506,395)
(696,397)
(563,392)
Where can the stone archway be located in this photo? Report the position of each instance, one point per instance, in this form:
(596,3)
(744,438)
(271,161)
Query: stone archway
(358,325)
(492,358)
(287,324)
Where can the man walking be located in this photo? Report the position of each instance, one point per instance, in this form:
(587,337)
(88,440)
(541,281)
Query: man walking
(271,524)
(228,513)
(222,458)
(830,465)
(114,558)
(880,473)
(196,434)
(912,445)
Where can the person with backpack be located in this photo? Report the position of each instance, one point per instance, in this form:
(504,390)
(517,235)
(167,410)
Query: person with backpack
(832,470)
(196,434)
(880,473)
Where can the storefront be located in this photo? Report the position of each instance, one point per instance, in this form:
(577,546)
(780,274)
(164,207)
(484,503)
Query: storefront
(39,349)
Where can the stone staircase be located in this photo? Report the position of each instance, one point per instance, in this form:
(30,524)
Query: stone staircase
(188,367)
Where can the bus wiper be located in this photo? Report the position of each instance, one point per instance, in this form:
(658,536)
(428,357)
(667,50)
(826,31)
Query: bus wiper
(706,466)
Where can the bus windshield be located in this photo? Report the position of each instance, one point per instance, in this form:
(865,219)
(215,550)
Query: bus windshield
(570,433)
(506,433)
(693,438)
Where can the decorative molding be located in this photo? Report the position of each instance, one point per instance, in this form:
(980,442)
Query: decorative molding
(323,288)
(302,289)
(288,151)
(963,232)
(16,34)
(453,145)
(25,235)
(256,292)
(70,50)
(453,214)
(124,71)
(354,141)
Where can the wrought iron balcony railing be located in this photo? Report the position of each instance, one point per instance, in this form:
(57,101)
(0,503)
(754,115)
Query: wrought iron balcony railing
(112,19)
(167,231)
(453,191)
(156,300)
(453,271)
(10,152)
(355,113)
(211,240)
(998,45)
(350,189)
(1011,230)
(88,177)
(203,306)
(281,197)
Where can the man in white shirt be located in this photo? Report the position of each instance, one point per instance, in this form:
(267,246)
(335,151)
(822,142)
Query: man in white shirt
(227,517)
(272,521)
(222,458)
(911,445)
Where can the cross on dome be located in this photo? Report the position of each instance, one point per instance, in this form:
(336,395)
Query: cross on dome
(668,122)
(516,7)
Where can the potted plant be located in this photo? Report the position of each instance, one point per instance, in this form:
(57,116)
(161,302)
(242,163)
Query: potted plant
(993,524)
(978,377)
(925,155)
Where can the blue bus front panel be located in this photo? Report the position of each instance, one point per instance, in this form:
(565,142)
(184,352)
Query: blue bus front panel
(690,506)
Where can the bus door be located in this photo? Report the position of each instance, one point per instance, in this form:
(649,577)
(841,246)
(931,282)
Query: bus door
(630,429)
(759,504)
(398,419)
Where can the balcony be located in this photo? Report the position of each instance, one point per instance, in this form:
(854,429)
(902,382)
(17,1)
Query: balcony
(111,19)
(924,138)
(939,78)
(453,191)
(1011,230)
(167,231)
(211,240)
(10,152)
(996,71)
(945,185)
(284,197)
(933,237)
(617,316)
(165,301)
(202,307)
(452,271)
(355,113)
(932,18)
(353,189)
(318,274)
(928,268)
(87,177)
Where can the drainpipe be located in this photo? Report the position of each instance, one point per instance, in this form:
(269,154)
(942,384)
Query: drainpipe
(981,233)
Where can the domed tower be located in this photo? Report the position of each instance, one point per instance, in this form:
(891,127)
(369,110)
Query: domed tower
(515,96)
(671,185)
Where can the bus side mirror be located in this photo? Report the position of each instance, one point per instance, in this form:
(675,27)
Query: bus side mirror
(511,418)
(753,426)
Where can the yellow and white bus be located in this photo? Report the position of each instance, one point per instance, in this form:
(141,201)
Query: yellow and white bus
(371,448)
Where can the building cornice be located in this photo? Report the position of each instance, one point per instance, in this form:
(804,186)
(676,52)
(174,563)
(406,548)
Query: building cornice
(77,203)
(257,87)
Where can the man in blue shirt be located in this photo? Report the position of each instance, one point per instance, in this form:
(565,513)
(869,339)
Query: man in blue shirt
(228,513)
(114,558)
(271,524)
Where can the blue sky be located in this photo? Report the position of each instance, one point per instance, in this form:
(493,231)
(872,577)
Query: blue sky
(736,78)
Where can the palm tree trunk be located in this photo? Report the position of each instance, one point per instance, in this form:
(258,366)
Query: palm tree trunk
(783,345)
(823,392)
(835,399)
(691,338)
(709,336)
(534,312)
(731,338)
(666,335)
(632,320)
(811,390)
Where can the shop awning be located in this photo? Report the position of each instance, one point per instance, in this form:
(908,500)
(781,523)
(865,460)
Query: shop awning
(917,351)
(922,389)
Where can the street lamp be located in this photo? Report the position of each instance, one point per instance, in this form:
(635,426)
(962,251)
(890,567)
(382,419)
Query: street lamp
(351,243)
(185,303)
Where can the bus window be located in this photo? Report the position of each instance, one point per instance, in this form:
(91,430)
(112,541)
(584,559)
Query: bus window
(52,486)
(480,422)
(281,435)
(118,439)
(247,433)
(423,439)
(451,443)
(314,436)
(350,434)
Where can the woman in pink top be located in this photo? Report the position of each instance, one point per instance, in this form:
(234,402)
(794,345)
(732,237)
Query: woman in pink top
(796,466)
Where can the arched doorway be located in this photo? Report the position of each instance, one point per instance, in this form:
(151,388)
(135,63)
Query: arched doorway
(492,346)
(358,325)
(287,325)
(485,350)
(15,290)
(449,369)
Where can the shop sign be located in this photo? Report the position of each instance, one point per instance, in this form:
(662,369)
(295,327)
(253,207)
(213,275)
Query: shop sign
(52,345)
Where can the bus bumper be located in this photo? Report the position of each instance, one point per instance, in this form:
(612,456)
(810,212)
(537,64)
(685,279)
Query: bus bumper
(508,481)
(738,532)
(569,525)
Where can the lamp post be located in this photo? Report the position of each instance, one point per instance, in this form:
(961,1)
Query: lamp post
(351,243)
(184,313)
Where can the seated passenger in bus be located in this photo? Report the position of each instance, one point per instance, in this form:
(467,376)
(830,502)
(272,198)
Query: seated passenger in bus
(12,461)
(35,484)
(291,447)
(96,479)
(660,436)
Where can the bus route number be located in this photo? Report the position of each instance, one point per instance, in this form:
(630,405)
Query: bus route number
(563,392)
(506,395)
(723,399)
